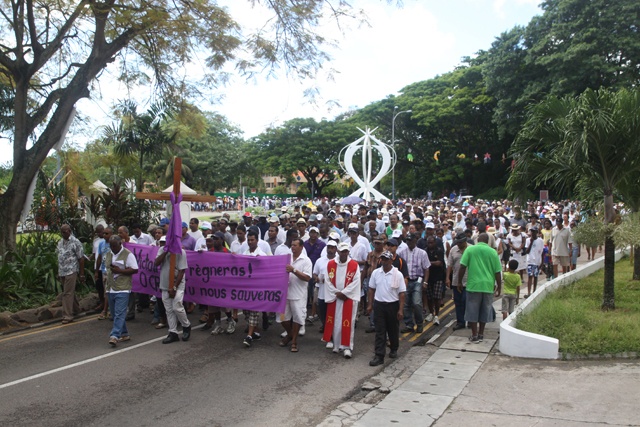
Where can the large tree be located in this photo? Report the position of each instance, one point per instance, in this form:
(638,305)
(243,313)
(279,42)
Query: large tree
(52,52)
(572,46)
(450,121)
(593,141)
(307,146)
(219,159)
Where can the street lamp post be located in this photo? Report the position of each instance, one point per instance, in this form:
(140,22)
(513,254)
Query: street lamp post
(393,145)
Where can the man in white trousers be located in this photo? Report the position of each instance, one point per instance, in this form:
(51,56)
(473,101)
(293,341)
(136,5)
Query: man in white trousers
(342,293)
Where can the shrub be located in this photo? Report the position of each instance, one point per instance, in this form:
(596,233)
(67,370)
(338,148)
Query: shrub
(590,233)
(28,275)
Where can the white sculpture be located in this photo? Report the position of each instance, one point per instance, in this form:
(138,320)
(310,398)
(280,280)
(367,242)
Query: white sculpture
(367,182)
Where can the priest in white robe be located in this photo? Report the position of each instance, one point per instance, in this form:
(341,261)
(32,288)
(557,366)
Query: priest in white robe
(342,294)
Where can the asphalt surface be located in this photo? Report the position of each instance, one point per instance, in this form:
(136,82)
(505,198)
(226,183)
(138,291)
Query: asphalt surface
(68,375)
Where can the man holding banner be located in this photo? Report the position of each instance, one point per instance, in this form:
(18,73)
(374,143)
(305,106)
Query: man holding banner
(252,316)
(342,294)
(300,271)
(173,297)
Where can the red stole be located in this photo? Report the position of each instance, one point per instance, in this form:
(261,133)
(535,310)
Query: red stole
(347,305)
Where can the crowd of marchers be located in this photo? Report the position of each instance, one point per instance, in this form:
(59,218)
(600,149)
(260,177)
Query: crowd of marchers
(393,263)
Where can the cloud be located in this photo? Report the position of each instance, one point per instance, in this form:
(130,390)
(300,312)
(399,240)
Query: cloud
(399,47)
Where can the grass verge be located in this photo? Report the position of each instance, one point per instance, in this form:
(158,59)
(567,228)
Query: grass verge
(573,315)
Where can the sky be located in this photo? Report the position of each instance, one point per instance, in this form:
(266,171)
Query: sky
(402,45)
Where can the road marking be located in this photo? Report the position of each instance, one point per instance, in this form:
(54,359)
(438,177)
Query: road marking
(47,329)
(447,309)
(436,336)
(84,362)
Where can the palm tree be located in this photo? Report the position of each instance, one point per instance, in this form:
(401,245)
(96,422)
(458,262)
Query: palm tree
(163,167)
(592,139)
(143,135)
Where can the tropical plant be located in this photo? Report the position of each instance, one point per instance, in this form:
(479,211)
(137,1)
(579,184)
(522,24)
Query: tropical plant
(121,208)
(592,140)
(142,135)
(163,167)
(28,275)
(627,234)
(591,232)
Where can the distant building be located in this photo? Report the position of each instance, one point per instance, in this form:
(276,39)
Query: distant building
(272,181)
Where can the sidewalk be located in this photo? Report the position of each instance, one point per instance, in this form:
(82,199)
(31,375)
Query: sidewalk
(464,383)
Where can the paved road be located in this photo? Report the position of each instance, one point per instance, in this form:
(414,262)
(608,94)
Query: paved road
(69,376)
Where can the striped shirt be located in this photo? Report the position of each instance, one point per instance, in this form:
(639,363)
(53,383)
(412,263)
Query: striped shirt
(417,262)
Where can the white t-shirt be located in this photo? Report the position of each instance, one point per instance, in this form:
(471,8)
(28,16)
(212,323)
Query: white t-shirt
(257,252)
(534,257)
(388,285)
(286,250)
(297,286)
(96,244)
(235,247)
(319,270)
(262,244)
(560,241)
(130,262)
(201,245)
(195,234)
(359,252)
(144,239)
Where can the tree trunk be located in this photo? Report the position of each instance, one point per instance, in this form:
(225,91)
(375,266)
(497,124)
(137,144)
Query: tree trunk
(13,200)
(636,263)
(8,222)
(608,299)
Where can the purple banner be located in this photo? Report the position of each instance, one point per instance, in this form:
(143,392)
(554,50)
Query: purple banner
(220,279)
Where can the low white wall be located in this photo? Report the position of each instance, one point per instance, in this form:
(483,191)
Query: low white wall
(514,342)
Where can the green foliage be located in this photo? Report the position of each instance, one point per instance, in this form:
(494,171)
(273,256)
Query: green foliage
(219,159)
(573,316)
(280,189)
(99,161)
(55,205)
(495,193)
(307,146)
(336,189)
(591,141)
(120,207)
(591,233)
(627,233)
(28,275)
(6,172)
(573,46)
(451,120)
(143,135)
(628,192)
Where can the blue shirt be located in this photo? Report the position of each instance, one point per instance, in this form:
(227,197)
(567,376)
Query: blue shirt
(103,249)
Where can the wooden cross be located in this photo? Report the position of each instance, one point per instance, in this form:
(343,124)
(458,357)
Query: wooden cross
(177,173)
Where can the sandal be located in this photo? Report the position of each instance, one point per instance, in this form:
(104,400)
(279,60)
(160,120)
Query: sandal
(102,316)
(285,341)
(294,348)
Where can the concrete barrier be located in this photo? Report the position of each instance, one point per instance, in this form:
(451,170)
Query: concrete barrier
(514,342)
